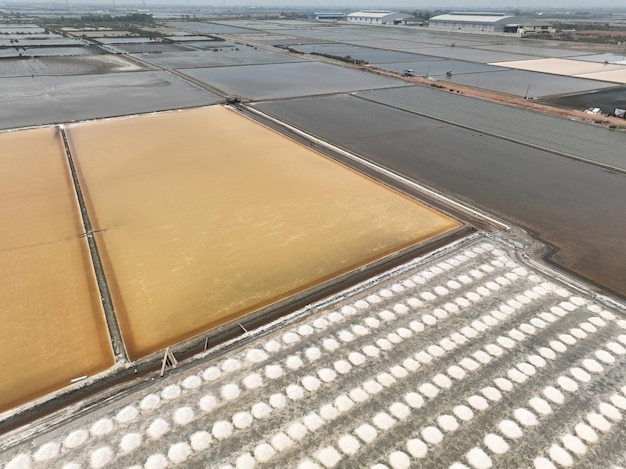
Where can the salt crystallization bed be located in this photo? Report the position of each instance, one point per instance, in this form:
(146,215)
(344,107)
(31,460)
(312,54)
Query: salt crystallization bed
(53,328)
(202,216)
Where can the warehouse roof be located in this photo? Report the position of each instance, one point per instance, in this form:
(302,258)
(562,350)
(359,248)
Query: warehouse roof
(478,17)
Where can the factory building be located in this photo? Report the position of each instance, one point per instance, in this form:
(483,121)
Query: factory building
(478,22)
(379,17)
(327,16)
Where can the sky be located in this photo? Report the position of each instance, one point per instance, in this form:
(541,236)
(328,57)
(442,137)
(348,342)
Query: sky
(475,5)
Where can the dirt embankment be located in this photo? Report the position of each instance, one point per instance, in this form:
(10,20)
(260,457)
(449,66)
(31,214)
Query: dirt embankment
(510,100)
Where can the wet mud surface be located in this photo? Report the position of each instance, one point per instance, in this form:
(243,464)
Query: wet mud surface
(51,99)
(574,206)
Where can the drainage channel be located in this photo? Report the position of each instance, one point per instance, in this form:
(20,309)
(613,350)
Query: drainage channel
(103,286)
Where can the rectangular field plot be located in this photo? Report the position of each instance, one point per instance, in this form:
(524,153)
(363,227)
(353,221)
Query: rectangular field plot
(53,327)
(207,216)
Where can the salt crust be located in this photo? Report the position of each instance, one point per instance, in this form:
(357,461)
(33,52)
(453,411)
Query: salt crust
(348,444)
(610,411)
(156,461)
(510,429)
(230,365)
(496,443)
(256,355)
(574,444)
(222,429)
(327,375)
(399,460)
(296,430)
(277,401)
(102,427)
(371,351)
(478,402)
(211,373)
(294,362)
(478,458)
(398,372)
(343,403)
(456,372)
(491,393)
(372,387)
(101,457)
(553,394)
(383,421)
(429,390)
(356,358)
(200,440)
(263,452)
(560,456)
(366,432)
(230,391)
(432,435)
(253,381)
(328,412)
(586,433)
(543,463)
(330,344)
(417,448)
(47,451)
(342,366)
(127,414)
(158,428)
(414,400)
(242,420)
(311,383)
(328,456)
(447,423)
(179,452)
(463,412)
(313,421)
(308,464)
(442,381)
(75,438)
(280,441)
(567,384)
(272,346)
(130,441)
(399,410)
(358,395)
(273,371)
(525,417)
(260,410)
(245,461)
(183,415)
(208,403)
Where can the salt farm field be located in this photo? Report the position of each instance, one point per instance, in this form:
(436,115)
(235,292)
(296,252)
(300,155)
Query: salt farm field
(198,226)
(53,327)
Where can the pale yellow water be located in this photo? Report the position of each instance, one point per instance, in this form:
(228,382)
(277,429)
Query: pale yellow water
(52,327)
(209,215)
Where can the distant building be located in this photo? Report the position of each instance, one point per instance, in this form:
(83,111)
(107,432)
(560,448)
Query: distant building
(327,16)
(535,27)
(472,21)
(379,17)
(489,22)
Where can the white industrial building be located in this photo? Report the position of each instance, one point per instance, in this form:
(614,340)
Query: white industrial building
(478,22)
(378,17)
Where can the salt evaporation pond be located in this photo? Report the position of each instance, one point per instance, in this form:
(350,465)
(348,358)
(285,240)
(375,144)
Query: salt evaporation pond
(53,328)
(200,226)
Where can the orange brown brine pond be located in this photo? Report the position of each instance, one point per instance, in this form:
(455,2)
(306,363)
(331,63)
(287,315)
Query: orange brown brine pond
(53,328)
(207,215)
